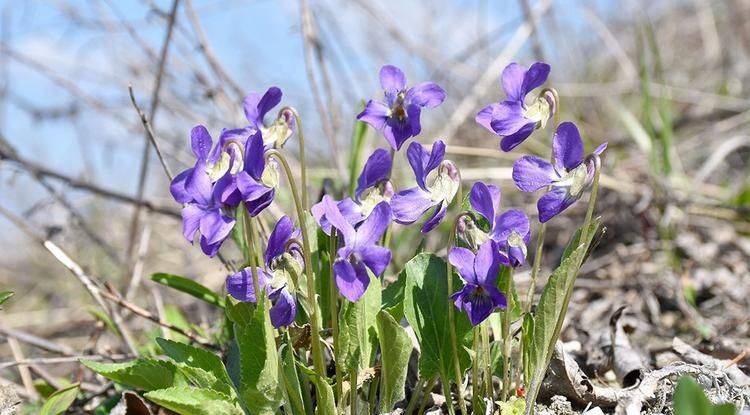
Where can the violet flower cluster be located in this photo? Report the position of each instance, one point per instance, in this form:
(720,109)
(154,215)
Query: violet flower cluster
(235,174)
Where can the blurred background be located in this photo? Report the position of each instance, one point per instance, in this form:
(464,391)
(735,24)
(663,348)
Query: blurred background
(665,83)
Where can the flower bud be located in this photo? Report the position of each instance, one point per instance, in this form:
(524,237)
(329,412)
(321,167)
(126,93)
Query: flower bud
(470,234)
(445,183)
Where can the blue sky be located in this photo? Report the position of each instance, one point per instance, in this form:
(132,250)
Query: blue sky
(258,42)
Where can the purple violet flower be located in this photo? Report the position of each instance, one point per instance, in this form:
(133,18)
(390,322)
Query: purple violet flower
(284,306)
(373,187)
(480,296)
(510,229)
(256,107)
(359,251)
(437,181)
(398,116)
(203,214)
(257,182)
(200,143)
(512,119)
(568,175)
(273,278)
(203,209)
(282,233)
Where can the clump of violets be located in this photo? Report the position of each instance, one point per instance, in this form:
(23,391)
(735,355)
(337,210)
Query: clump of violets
(510,230)
(360,251)
(272,278)
(398,117)
(568,176)
(437,184)
(480,296)
(513,119)
(373,187)
(237,179)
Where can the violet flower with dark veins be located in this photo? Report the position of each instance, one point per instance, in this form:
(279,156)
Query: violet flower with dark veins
(510,229)
(480,296)
(437,181)
(398,116)
(360,251)
(373,187)
(513,119)
(569,175)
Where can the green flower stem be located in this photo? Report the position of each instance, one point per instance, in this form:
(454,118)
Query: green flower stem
(592,200)
(250,249)
(426,393)
(317,353)
(583,239)
(507,340)
(475,386)
(452,318)
(298,406)
(353,389)
(414,394)
(302,161)
(535,268)
(334,313)
(446,385)
(489,392)
(373,393)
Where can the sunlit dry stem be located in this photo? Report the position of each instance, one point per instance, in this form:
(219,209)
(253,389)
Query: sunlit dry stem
(451,317)
(317,353)
(302,162)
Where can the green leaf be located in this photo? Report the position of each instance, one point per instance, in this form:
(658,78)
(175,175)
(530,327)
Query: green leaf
(291,379)
(393,297)
(395,349)
(358,334)
(100,315)
(689,399)
(259,385)
(323,279)
(194,401)
(201,367)
(146,374)
(326,402)
(174,316)
(551,310)
(60,401)
(426,302)
(5,295)
(502,281)
(189,286)
(527,342)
